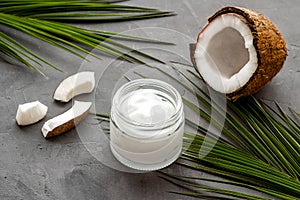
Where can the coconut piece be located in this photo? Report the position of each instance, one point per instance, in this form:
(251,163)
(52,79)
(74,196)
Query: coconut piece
(80,83)
(30,113)
(66,120)
(238,52)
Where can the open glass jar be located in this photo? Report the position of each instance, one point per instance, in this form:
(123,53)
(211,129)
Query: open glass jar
(147,124)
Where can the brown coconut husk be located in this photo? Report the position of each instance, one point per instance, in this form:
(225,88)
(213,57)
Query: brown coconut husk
(269,44)
(67,126)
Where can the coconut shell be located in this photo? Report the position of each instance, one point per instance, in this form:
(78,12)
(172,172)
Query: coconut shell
(67,126)
(270,48)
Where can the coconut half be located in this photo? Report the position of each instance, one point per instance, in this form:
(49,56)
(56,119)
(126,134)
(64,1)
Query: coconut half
(66,120)
(238,52)
(80,83)
(30,113)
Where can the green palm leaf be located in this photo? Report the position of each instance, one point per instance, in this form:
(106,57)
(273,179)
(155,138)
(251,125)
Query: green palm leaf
(58,11)
(44,20)
(269,159)
(259,149)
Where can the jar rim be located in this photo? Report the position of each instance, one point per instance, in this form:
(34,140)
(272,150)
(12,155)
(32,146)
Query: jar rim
(155,83)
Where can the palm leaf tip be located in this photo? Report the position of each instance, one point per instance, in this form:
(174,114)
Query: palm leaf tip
(40,20)
(101,18)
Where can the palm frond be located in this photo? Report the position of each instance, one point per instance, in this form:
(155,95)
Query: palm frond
(229,162)
(262,152)
(43,20)
(258,137)
(15,50)
(268,159)
(201,190)
(66,10)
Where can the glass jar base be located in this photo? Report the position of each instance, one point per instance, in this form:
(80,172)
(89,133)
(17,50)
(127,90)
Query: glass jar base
(144,167)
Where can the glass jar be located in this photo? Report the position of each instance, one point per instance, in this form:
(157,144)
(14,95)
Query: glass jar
(147,124)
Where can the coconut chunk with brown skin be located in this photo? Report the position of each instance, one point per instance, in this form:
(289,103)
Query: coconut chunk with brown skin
(238,52)
(66,120)
(79,83)
(30,113)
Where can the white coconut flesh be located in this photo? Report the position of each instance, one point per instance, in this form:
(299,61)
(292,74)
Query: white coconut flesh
(224,55)
(78,109)
(30,113)
(80,83)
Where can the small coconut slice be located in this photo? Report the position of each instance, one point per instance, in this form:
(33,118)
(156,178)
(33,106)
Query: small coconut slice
(238,52)
(80,83)
(66,120)
(30,113)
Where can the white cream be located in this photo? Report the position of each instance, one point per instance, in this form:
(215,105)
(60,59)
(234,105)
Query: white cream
(147,126)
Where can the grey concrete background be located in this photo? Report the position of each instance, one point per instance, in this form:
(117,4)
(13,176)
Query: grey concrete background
(62,168)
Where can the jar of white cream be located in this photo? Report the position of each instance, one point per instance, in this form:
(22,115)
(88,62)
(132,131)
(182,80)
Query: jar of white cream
(147,124)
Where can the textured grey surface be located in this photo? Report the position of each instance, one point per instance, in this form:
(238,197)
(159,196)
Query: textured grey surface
(62,168)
